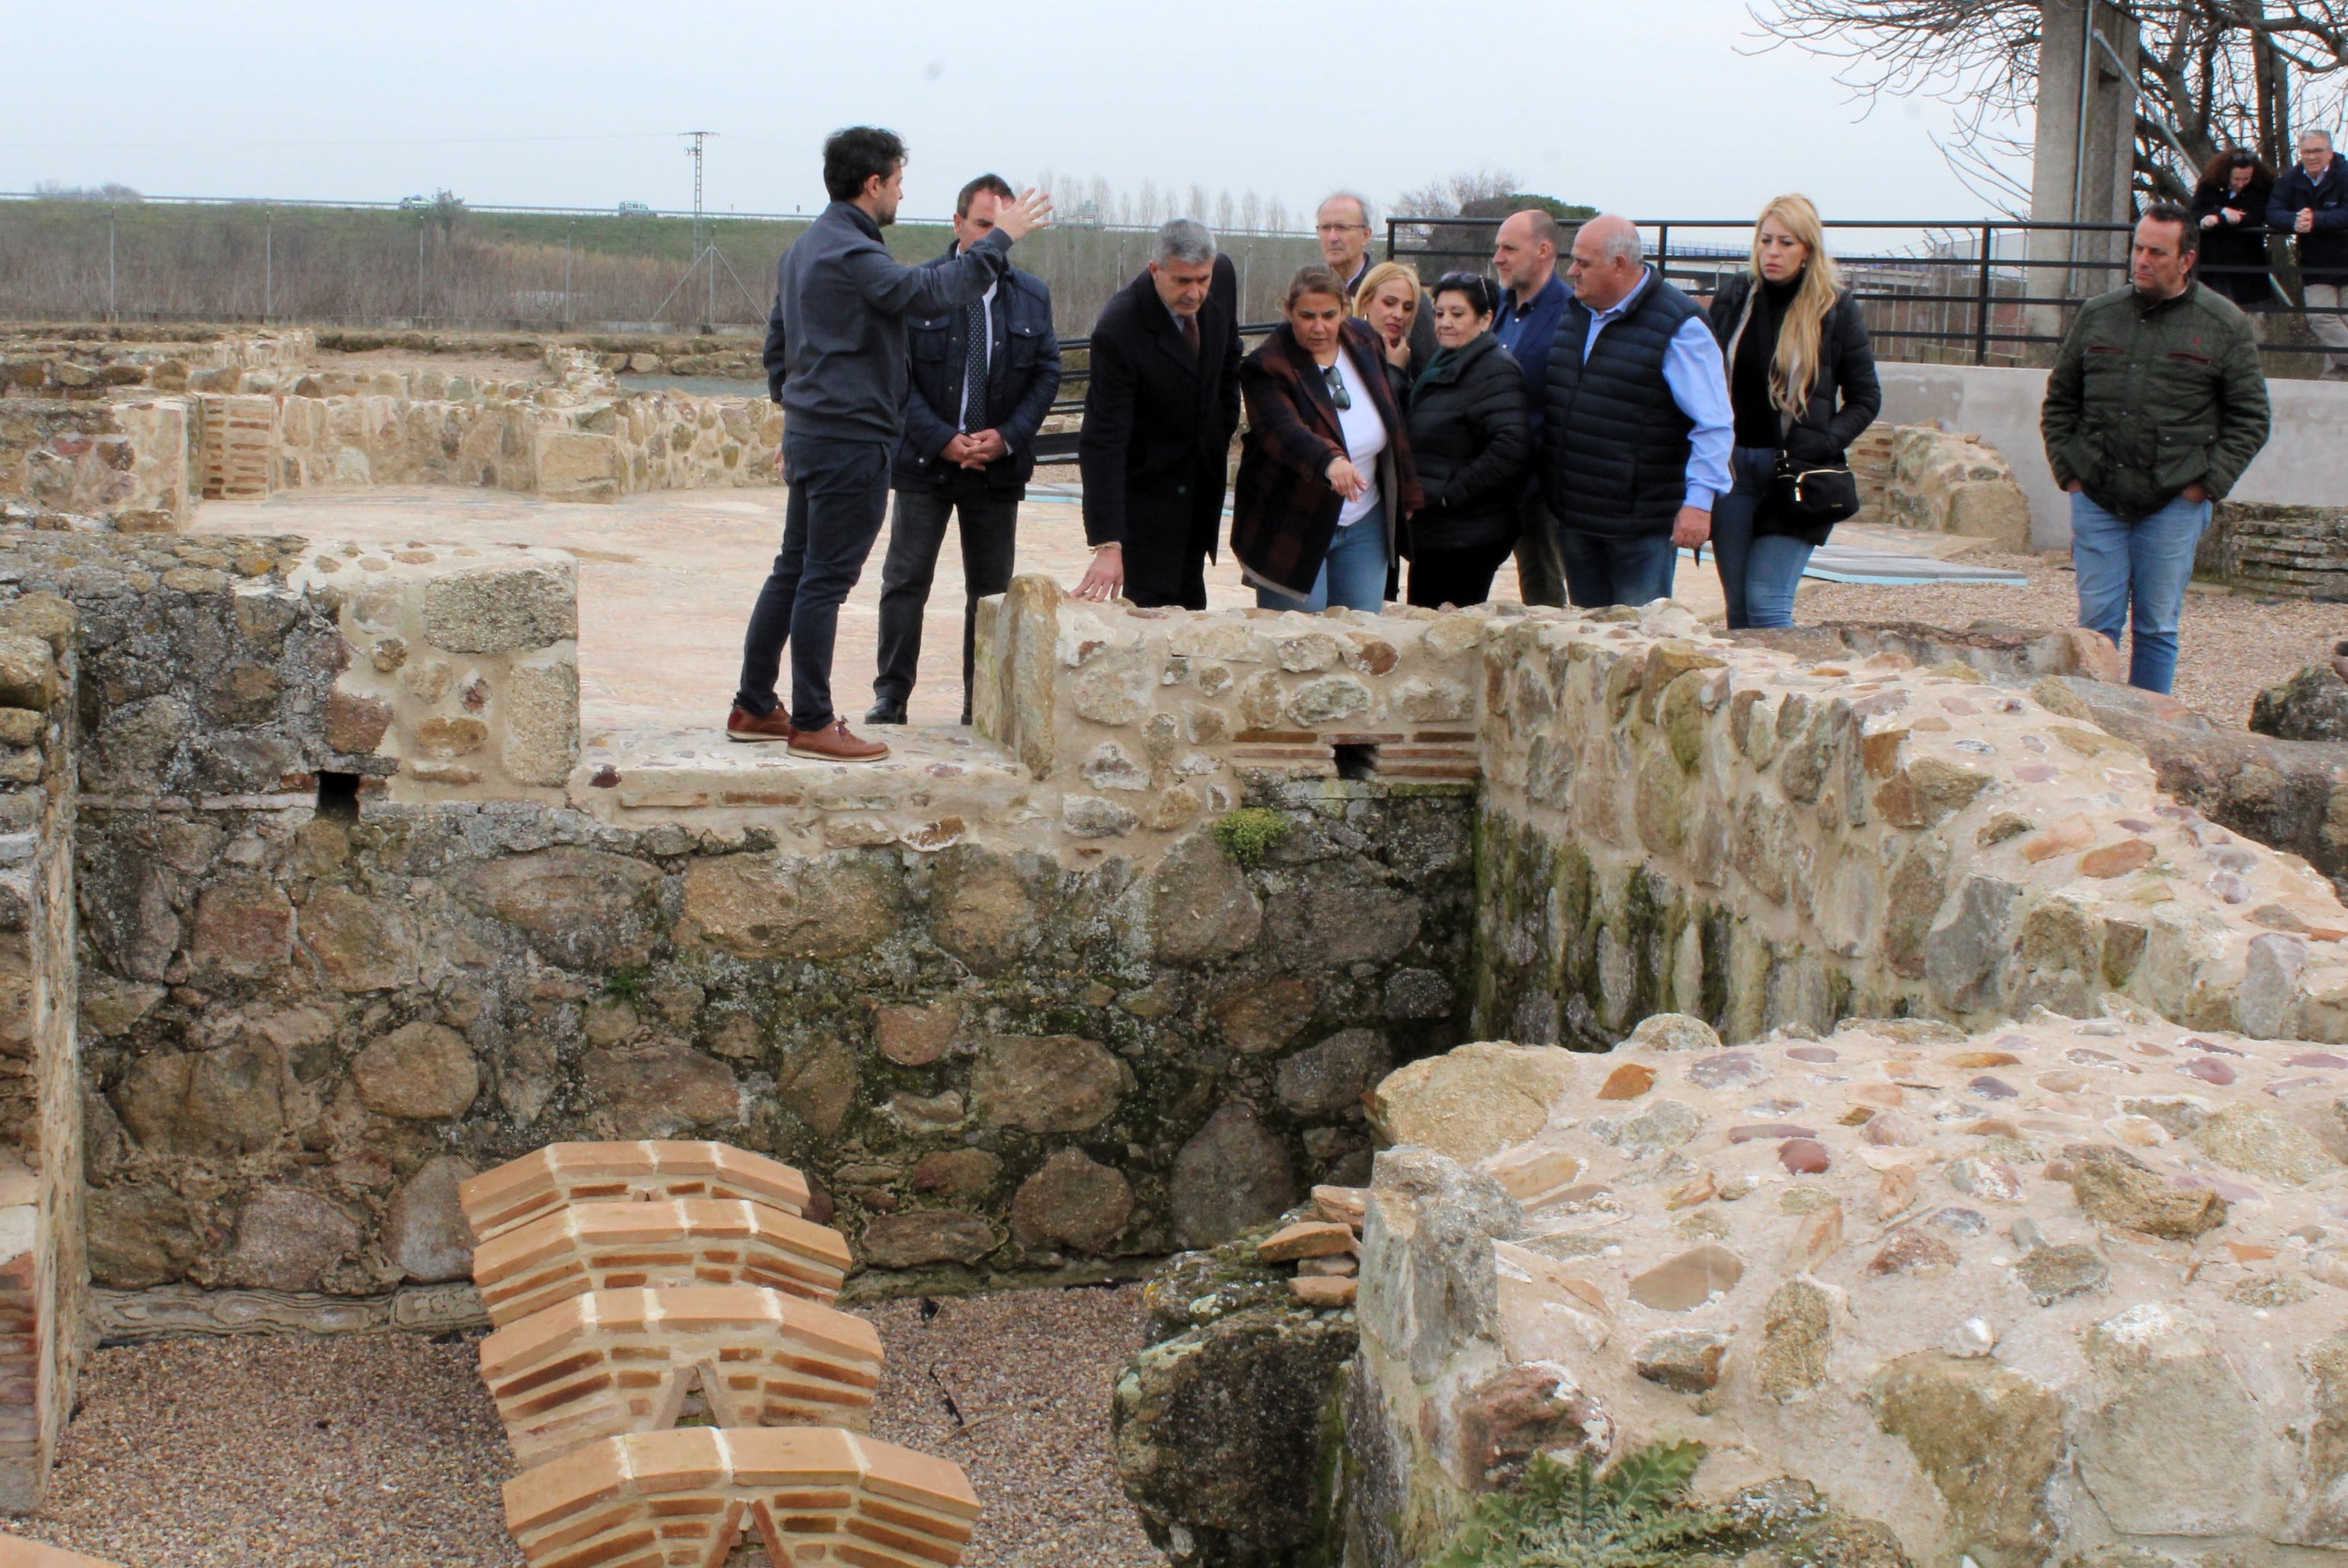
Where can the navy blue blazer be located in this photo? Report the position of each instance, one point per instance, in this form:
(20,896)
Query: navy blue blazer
(1023,377)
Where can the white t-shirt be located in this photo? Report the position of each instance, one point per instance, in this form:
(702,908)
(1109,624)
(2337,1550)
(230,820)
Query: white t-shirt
(1366,437)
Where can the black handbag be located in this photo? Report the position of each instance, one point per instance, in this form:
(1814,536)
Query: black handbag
(1804,496)
(1801,497)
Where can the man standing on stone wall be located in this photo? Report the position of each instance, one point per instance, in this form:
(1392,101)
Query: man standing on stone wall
(2154,407)
(836,358)
(1524,254)
(984,378)
(1161,405)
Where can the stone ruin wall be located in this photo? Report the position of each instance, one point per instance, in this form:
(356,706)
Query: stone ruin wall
(131,434)
(1686,824)
(1009,1036)
(353,927)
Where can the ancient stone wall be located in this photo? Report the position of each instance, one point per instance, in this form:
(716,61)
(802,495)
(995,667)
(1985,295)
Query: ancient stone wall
(465,673)
(1003,1043)
(44,363)
(1672,822)
(1954,484)
(44,1277)
(578,439)
(2068,1292)
(1166,715)
(2294,552)
(126,464)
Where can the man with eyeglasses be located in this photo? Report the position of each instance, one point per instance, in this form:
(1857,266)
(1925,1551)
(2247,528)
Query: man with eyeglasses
(2310,202)
(1345,223)
(1524,255)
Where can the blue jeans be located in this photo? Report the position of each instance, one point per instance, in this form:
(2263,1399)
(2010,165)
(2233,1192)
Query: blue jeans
(838,496)
(1352,574)
(1757,576)
(2143,565)
(1600,570)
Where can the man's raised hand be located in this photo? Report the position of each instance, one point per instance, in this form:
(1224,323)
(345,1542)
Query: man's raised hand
(1022,218)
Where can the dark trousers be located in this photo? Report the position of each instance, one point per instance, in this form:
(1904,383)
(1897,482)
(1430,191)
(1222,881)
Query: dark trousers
(838,495)
(1461,577)
(1541,578)
(989,524)
(1165,557)
(1600,570)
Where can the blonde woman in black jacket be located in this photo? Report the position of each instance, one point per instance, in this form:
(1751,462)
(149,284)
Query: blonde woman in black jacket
(1471,435)
(1801,381)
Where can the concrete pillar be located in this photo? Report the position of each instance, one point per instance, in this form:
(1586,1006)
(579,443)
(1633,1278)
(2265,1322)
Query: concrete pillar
(2079,177)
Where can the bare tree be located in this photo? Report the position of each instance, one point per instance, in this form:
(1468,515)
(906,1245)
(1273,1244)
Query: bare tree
(2211,73)
(1449,195)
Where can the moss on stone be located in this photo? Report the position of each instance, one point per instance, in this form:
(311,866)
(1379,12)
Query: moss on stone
(1250,834)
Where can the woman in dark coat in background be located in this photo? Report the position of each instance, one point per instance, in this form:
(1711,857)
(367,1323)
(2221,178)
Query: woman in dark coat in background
(1471,437)
(2230,205)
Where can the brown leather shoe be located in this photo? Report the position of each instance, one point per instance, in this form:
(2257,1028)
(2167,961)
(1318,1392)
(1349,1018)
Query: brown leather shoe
(742,724)
(833,744)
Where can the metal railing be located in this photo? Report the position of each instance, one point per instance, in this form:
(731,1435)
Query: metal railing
(1987,291)
(1076,369)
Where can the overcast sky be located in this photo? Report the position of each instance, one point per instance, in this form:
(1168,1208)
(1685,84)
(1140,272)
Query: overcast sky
(1656,108)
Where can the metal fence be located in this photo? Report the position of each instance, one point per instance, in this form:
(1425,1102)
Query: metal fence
(537,268)
(1991,291)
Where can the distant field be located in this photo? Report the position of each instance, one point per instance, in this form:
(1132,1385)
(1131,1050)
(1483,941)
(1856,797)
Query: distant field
(73,259)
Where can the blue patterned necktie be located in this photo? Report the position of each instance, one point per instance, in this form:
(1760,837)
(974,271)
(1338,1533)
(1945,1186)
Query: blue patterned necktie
(974,369)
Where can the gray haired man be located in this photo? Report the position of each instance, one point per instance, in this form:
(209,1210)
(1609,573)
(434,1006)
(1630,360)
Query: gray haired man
(2310,203)
(1160,408)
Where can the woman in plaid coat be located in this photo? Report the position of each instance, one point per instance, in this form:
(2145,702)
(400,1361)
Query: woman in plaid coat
(1325,483)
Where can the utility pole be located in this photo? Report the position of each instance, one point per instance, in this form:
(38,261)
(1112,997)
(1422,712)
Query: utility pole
(268,264)
(111,313)
(568,234)
(700,139)
(704,245)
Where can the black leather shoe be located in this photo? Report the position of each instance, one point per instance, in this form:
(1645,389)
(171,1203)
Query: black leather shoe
(885,711)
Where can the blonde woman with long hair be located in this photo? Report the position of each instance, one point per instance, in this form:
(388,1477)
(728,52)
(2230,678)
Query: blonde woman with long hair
(1801,384)
(1390,300)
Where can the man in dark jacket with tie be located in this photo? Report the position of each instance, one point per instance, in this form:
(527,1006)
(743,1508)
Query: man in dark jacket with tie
(2311,203)
(1160,409)
(836,362)
(982,380)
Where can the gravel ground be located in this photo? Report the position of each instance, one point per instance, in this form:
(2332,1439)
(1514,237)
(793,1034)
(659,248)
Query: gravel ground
(2230,646)
(369,1451)
(1030,1374)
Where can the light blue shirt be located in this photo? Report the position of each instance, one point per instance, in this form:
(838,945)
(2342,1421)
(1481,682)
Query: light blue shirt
(1698,378)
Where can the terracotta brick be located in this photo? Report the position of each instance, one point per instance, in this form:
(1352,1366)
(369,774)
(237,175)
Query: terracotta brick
(809,1494)
(17,1552)
(523,1190)
(617,1361)
(678,1241)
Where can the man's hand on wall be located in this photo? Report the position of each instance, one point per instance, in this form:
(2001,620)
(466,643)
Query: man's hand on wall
(1105,579)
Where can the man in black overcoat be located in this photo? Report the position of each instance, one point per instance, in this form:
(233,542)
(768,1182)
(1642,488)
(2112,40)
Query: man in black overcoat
(1160,408)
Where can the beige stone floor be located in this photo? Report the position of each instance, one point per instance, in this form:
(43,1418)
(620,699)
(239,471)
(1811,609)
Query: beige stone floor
(666,581)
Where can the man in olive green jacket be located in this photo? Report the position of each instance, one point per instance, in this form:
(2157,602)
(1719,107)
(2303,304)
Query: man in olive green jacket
(2154,408)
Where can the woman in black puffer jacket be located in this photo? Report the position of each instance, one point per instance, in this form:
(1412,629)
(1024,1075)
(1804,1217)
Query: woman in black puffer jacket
(1801,386)
(1470,433)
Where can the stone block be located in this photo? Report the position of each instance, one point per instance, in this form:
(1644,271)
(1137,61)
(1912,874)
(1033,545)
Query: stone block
(573,465)
(540,710)
(501,608)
